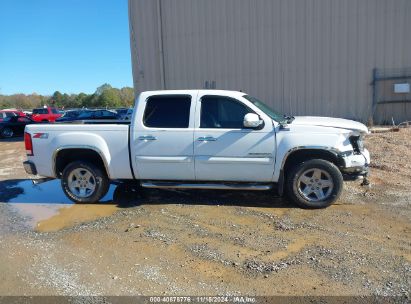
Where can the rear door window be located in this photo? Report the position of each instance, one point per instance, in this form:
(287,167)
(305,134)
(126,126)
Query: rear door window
(167,111)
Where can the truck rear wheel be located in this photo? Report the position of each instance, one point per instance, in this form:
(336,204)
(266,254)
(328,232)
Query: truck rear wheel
(315,183)
(84,182)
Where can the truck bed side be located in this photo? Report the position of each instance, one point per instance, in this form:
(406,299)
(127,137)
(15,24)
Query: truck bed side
(110,141)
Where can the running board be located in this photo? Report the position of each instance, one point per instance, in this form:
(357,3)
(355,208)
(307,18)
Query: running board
(227,186)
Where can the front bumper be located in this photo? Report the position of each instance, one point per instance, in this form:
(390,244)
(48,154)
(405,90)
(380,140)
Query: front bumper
(30,168)
(356,165)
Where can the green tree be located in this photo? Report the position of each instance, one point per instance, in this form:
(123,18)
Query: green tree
(56,98)
(127,96)
(110,98)
(105,96)
(105,87)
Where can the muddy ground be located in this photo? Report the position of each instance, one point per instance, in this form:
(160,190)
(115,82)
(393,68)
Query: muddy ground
(150,242)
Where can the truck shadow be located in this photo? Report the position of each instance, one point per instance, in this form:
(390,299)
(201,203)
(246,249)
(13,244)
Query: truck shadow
(133,195)
(125,195)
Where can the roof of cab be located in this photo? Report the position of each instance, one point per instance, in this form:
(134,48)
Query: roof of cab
(193,92)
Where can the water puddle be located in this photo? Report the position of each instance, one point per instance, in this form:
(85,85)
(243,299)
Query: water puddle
(46,208)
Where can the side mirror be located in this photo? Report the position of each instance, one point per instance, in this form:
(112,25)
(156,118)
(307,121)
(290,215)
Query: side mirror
(252,120)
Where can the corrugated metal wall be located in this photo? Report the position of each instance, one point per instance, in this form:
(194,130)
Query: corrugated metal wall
(304,57)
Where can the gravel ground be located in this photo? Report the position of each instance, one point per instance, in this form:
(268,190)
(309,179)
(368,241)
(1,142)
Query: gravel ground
(160,242)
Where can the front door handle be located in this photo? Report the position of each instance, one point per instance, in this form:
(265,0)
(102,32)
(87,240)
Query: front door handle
(206,138)
(147,137)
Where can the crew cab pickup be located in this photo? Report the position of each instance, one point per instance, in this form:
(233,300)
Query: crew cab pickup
(202,139)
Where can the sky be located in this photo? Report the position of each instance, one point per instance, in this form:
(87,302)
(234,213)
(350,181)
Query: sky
(70,46)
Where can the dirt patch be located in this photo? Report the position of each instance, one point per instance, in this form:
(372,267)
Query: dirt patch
(74,215)
(155,242)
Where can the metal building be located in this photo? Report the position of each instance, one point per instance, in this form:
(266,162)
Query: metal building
(342,58)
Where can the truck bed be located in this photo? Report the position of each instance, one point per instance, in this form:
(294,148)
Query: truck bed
(97,122)
(107,137)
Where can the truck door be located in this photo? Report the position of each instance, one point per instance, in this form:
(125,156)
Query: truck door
(225,150)
(162,137)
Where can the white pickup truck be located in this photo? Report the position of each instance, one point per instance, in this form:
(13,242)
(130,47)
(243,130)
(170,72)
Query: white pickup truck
(202,139)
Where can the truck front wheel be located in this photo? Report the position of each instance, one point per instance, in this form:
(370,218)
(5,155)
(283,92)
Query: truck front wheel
(84,182)
(315,183)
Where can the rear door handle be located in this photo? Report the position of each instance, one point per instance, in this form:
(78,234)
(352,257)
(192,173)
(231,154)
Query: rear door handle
(207,138)
(147,137)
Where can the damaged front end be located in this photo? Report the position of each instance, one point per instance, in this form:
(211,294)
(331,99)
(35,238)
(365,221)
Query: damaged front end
(356,163)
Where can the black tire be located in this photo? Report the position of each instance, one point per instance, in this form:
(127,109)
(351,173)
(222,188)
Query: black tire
(293,190)
(101,182)
(7,133)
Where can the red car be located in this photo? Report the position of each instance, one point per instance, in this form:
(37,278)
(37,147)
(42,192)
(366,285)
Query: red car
(45,114)
(10,113)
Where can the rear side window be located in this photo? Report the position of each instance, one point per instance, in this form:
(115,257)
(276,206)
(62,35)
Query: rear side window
(167,111)
(54,111)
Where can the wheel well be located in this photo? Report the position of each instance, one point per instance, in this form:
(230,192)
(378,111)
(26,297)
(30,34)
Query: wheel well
(66,156)
(302,155)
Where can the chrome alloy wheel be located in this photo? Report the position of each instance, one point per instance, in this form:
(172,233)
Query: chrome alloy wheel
(81,183)
(315,185)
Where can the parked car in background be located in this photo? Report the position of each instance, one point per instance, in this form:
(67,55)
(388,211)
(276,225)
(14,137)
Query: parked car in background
(94,115)
(10,113)
(14,126)
(129,114)
(48,114)
(122,112)
(5,114)
(69,115)
(27,113)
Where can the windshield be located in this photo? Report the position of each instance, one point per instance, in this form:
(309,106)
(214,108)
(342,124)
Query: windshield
(266,109)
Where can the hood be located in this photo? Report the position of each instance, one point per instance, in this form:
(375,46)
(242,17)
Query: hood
(330,122)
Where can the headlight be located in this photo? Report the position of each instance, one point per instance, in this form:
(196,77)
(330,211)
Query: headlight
(357,143)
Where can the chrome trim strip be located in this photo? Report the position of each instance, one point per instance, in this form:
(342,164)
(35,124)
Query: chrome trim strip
(234,160)
(165,159)
(175,185)
(56,152)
